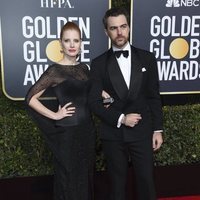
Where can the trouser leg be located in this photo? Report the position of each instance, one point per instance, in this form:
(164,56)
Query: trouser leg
(117,163)
(141,154)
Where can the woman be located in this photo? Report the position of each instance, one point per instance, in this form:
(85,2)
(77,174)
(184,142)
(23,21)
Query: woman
(69,130)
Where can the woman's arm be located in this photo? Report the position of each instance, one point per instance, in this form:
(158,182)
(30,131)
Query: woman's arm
(62,112)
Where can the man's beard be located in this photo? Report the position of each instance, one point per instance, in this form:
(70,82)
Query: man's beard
(122,42)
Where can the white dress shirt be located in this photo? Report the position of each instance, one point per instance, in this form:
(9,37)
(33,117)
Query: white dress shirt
(125,67)
(125,63)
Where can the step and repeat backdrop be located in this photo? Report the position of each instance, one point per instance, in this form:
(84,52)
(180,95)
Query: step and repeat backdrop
(171,30)
(29,33)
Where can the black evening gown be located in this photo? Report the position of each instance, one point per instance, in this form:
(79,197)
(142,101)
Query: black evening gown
(72,139)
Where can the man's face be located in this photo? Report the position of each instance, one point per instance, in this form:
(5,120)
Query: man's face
(118,30)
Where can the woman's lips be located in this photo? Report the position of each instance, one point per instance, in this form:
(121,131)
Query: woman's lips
(72,50)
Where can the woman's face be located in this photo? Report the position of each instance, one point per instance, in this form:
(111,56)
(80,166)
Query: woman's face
(71,42)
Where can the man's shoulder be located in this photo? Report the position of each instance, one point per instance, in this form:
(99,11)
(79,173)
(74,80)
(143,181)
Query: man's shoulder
(140,50)
(100,61)
(101,56)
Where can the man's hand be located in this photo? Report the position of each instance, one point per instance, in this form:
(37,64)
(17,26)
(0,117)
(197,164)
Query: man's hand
(157,140)
(131,119)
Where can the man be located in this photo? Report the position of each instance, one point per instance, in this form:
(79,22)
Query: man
(131,125)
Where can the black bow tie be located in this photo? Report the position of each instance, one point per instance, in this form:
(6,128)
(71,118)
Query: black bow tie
(118,53)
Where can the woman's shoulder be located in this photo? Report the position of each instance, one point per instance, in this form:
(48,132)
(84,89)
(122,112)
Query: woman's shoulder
(52,67)
(84,66)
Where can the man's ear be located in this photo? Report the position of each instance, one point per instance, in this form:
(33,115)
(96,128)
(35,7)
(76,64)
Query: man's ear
(105,30)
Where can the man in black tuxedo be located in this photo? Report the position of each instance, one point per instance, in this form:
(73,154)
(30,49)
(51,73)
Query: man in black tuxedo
(131,126)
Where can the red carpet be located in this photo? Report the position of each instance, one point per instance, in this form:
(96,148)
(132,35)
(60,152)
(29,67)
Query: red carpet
(182,198)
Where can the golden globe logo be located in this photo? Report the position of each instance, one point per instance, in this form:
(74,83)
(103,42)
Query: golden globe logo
(175,42)
(179,48)
(56,4)
(36,50)
(54,51)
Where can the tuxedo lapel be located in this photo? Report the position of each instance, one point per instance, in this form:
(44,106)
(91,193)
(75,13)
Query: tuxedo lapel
(116,76)
(136,75)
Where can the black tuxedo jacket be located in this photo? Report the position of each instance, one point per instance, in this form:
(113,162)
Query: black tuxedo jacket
(142,96)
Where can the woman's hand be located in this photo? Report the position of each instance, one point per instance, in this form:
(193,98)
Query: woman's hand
(66,111)
(105,95)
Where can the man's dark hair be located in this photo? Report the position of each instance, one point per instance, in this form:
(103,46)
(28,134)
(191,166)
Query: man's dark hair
(114,12)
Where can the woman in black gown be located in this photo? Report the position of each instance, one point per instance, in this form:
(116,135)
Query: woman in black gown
(69,130)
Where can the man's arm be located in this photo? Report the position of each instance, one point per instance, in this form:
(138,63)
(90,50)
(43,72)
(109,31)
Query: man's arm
(153,95)
(110,115)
